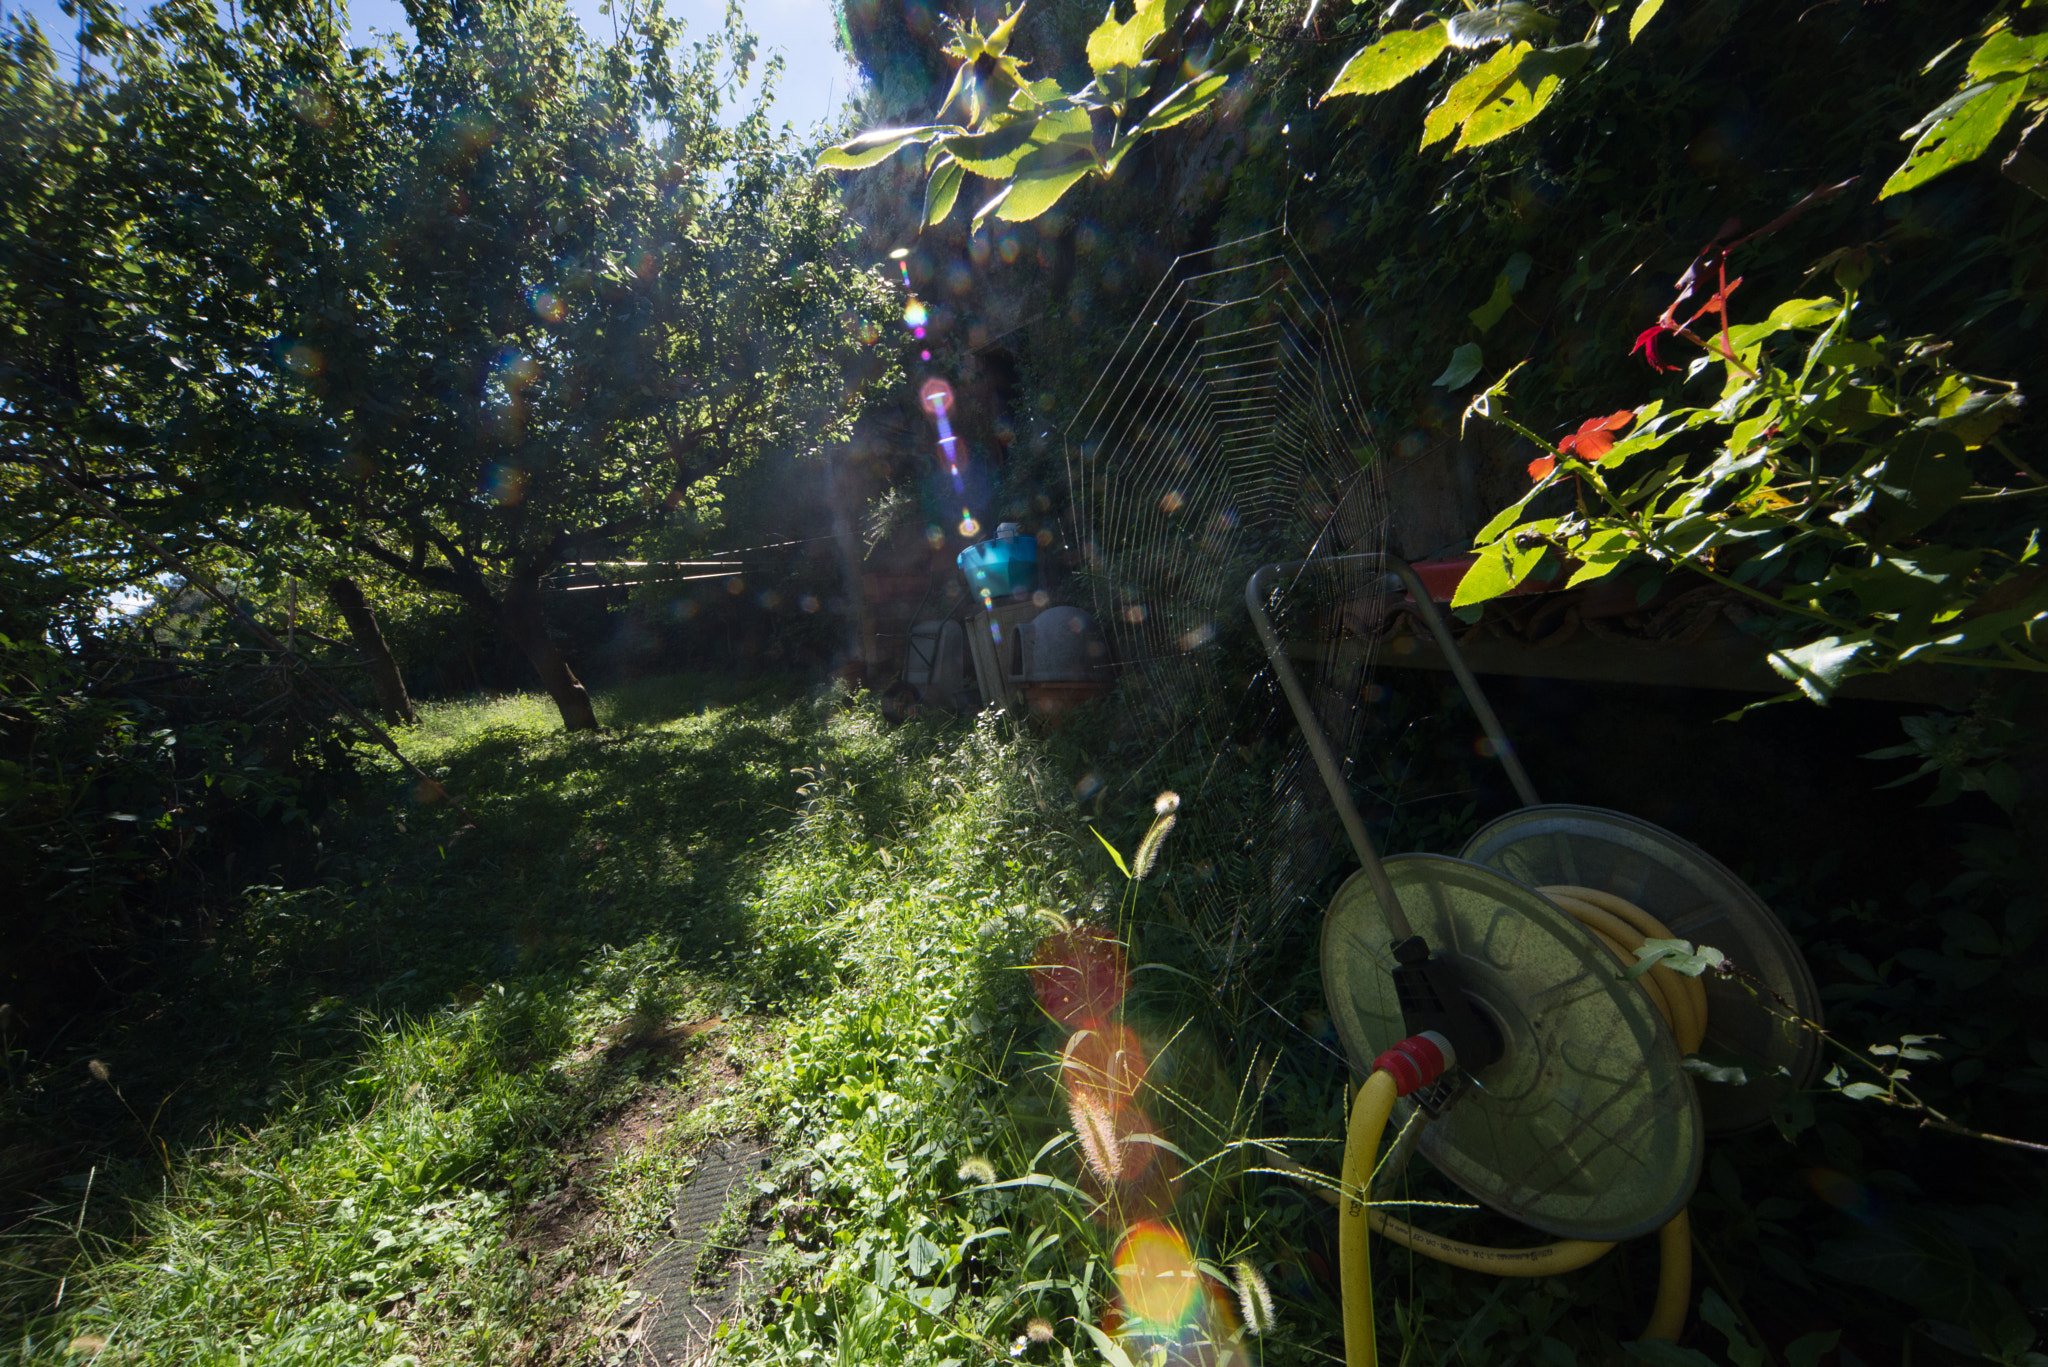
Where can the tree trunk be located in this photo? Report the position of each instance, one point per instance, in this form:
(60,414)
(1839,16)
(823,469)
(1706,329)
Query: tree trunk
(528,629)
(347,596)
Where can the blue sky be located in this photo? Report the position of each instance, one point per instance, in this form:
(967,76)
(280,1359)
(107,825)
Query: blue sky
(814,84)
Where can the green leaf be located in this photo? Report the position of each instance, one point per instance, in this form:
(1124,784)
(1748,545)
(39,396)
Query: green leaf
(996,152)
(1501,566)
(1465,363)
(1862,1091)
(1818,666)
(1925,473)
(1638,21)
(1808,1349)
(1107,1346)
(2006,51)
(1390,61)
(1721,1315)
(1121,866)
(1601,554)
(1680,956)
(1034,1179)
(1960,136)
(922,1255)
(1729,1074)
(1536,80)
(1502,520)
(871,149)
(1491,312)
(1469,90)
(1069,128)
(942,191)
(1114,44)
(1037,189)
(1183,104)
(1806,314)
(1511,19)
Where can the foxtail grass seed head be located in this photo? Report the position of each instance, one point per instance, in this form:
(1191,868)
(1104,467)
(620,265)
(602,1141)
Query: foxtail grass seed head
(978,1169)
(1253,1297)
(97,1069)
(1095,1128)
(1148,849)
(1039,1330)
(1058,922)
(1168,801)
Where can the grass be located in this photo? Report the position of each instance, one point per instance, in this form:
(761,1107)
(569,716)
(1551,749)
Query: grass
(335,1134)
(432,1105)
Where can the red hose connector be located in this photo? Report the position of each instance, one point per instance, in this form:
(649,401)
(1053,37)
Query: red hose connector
(1417,1061)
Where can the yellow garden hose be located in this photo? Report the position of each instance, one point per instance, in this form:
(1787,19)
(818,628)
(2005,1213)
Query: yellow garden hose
(1369,1112)
(1682,1001)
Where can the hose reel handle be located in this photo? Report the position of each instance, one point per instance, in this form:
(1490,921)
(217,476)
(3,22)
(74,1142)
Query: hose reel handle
(1433,1001)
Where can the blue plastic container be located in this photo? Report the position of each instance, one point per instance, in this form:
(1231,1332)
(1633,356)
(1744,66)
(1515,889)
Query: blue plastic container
(1002,566)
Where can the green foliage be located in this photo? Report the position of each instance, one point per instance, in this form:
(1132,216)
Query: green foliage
(1967,753)
(370,1084)
(1036,139)
(2009,69)
(1817,486)
(493,300)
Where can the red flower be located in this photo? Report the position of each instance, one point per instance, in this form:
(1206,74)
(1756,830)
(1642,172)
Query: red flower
(1647,344)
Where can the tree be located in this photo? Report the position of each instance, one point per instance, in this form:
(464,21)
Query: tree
(506,300)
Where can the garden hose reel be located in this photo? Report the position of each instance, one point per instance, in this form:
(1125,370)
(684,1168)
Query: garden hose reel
(1588,1124)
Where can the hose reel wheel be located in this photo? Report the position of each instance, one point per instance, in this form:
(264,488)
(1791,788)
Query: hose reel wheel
(1702,901)
(1587,1127)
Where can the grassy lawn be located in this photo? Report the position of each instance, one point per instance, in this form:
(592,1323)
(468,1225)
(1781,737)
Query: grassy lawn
(433,1105)
(427,1108)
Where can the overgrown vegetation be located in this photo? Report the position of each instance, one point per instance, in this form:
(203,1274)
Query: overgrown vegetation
(335,1124)
(300,1068)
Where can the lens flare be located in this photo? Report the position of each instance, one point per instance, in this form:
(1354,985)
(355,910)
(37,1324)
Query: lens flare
(968,526)
(1166,1307)
(304,361)
(546,305)
(1158,1285)
(1845,1194)
(505,484)
(1080,977)
(1107,1062)
(312,106)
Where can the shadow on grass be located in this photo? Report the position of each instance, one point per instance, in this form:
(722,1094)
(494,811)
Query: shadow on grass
(606,872)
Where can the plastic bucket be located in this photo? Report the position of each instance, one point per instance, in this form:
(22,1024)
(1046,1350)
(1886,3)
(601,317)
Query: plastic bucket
(1001,567)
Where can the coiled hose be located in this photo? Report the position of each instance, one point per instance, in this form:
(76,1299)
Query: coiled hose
(1682,1001)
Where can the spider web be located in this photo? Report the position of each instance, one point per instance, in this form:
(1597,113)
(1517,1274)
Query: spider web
(1225,434)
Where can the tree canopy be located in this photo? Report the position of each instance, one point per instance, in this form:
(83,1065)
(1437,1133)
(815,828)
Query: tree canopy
(493,300)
